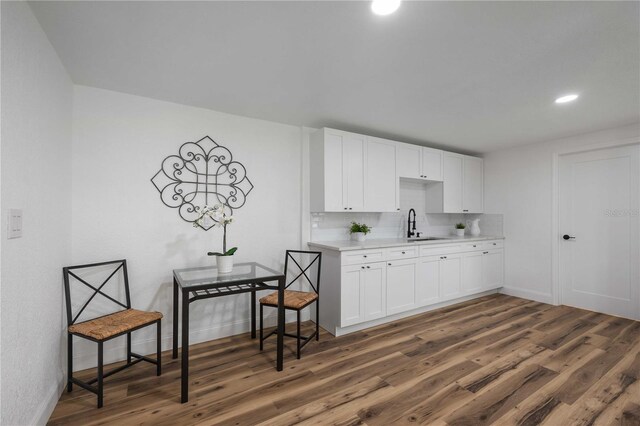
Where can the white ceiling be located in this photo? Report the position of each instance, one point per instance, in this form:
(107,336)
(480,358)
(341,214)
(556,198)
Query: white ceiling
(474,76)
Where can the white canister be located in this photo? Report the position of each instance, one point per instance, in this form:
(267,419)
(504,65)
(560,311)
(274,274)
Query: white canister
(475,227)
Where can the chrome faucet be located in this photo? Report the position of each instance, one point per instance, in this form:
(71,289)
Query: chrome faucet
(411,231)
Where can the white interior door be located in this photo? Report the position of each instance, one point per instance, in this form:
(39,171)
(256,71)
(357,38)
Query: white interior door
(599,229)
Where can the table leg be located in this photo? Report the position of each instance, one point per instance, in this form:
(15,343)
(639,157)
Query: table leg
(253,312)
(185,348)
(175,319)
(279,365)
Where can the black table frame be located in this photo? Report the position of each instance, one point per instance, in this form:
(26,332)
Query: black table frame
(212,290)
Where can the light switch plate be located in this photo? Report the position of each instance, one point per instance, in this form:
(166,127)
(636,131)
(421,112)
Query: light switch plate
(14,224)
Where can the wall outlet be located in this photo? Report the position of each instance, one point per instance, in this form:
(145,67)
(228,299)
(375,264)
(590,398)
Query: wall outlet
(14,224)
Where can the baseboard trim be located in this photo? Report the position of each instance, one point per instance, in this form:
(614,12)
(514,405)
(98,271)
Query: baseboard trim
(528,294)
(341,331)
(48,404)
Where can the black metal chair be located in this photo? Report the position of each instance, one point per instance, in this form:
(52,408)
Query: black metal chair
(106,327)
(296,300)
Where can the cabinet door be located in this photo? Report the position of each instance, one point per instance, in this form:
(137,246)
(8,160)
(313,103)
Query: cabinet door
(428,281)
(353,172)
(450,277)
(473,185)
(492,269)
(408,160)
(351,296)
(472,272)
(374,291)
(432,160)
(452,186)
(401,285)
(333,173)
(380,176)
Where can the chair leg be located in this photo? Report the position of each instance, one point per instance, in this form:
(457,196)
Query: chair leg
(253,314)
(298,331)
(128,348)
(159,349)
(69,362)
(317,320)
(261,326)
(100,374)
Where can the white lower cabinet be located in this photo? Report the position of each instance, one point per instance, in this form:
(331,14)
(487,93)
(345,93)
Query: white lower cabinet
(450,276)
(401,285)
(377,283)
(428,280)
(472,272)
(492,269)
(363,293)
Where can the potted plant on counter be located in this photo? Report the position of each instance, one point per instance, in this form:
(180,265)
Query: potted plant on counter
(359,231)
(460,229)
(224,259)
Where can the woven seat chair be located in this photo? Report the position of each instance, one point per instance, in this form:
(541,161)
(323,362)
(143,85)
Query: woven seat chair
(296,300)
(106,327)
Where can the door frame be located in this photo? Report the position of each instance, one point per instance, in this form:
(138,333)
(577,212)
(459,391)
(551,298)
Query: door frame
(555,205)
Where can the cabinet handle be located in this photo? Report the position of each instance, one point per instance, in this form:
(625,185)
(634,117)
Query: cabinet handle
(368,267)
(444,257)
(389,264)
(465,210)
(350,208)
(345,208)
(398,209)
(362,267)
(364,255)
(403,253)
(485,252)
(474,245)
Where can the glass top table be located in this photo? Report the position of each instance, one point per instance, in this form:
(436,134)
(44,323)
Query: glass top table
(205,283)
(207,276)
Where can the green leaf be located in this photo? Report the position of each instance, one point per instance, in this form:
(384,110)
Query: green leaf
(231,251)
(214,253)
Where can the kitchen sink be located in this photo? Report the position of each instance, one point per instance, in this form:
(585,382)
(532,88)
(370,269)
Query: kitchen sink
(427,239)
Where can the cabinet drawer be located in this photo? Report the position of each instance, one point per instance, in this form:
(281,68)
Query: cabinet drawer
(437,250)
(362,256)
(474,246)
(494,244)
(402,253)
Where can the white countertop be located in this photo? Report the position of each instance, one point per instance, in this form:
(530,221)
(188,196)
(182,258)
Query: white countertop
(394,242)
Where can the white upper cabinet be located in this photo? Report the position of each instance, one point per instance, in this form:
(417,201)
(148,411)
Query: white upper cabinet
(409,160)
(432,164)
(356,173)
(452,199)
(380,175)
(473,184)
(353,147)
(416,162)
(337,171)
(462,187)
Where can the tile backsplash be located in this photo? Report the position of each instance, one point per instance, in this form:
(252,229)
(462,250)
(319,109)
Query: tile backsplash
(335,226)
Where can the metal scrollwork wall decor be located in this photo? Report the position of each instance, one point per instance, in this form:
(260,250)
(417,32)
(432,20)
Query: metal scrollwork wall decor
(202,173)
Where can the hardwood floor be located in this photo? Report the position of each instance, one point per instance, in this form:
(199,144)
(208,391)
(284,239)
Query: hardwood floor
(494,360)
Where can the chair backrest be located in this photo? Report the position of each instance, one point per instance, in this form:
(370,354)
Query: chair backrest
(307,259)
(73,274)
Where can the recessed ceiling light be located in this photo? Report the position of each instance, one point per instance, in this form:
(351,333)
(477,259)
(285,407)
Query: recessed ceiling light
(384,7)
(566,98)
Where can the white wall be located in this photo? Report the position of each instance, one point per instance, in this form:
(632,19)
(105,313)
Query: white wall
(518,183)
(36,177)
(119,142)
